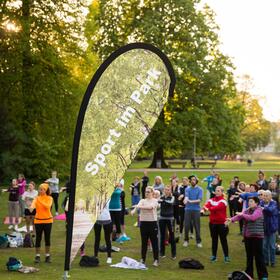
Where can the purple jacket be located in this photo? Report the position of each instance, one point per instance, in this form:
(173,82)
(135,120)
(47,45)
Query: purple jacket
(21,186)
(253,222)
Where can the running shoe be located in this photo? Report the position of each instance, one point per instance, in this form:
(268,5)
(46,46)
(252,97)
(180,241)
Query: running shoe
(119,240)
(37,259)
(227,259)
(48,259)
(156,263)
(213,258)
(125,238)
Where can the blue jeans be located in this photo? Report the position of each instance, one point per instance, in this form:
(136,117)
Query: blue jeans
(135,199)
(269,249)
(279,222)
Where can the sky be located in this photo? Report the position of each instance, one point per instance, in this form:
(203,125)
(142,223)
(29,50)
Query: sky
(250,35)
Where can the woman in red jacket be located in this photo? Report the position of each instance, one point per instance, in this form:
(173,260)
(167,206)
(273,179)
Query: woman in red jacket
(217,206)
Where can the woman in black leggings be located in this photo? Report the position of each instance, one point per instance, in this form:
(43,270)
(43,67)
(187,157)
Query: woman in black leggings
(43,220)
(148,224)
(103,220)
(217,206)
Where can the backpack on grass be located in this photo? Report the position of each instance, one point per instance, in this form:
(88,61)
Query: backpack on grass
(87,261)
(4,242)
(28,241)
(13,264)
(189,263)
(239,275)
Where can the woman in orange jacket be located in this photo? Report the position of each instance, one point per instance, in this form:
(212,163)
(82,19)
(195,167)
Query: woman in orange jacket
(43,220)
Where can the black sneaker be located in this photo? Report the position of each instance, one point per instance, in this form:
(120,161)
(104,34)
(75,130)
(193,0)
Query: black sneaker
(37,259)
(48,259)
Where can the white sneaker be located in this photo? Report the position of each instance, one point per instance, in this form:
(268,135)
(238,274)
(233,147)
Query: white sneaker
(109,260)
(10,227)
(185,244)
(156,263)
(16,227)
(199,245)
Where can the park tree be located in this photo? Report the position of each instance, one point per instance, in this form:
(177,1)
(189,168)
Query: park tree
(205,93)
(40,87)
(275,136)
(256,130)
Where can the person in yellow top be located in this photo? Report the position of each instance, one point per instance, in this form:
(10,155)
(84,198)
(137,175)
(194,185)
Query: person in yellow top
(43,220)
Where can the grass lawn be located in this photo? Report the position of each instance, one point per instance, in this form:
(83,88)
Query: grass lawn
(221,164)
(167,269)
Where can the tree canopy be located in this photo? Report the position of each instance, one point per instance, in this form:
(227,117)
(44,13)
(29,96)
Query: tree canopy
(40,93)
(50,49)
(205,87)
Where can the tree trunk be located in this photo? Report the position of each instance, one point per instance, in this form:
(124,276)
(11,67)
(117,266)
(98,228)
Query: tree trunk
(158,159)
(26,61)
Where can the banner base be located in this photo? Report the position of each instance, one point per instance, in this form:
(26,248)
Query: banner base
(66,275)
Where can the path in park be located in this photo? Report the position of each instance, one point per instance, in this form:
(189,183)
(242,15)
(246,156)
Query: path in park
(198,170)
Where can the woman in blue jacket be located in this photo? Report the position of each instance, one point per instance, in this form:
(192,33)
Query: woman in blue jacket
(270,213)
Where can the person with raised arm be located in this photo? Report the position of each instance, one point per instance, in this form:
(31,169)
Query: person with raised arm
(253,232)
(43,220)
(148,224)
(217,206)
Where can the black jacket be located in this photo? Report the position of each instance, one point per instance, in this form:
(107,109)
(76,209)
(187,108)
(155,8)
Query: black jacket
(166,207)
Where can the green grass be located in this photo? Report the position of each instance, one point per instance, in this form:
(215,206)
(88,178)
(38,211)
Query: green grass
(168,269)
(221,164)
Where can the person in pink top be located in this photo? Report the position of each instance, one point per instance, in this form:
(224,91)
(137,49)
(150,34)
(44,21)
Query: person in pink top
(21,187)
(253,232)
(148,224)
(217,206)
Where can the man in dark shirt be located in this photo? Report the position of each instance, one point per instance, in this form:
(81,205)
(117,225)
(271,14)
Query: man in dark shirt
(145,181)
(261,182)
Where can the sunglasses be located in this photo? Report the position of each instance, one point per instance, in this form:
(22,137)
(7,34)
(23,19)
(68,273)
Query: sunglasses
(148,192)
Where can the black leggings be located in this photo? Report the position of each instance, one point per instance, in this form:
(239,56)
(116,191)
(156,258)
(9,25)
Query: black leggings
(232,208)
(219,230)
(107,232)
(254,249)
(182,218)
(40,228)
(55,200)
(149,230)
(163,224)
(239,209)
(116,219)
(176,214)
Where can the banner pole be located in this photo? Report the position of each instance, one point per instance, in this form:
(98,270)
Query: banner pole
(71,205)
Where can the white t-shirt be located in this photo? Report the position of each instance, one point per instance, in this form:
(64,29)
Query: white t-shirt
(122,182)
(151,214)
(28,197)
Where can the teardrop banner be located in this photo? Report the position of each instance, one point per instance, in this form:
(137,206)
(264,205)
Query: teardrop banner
(121,105)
